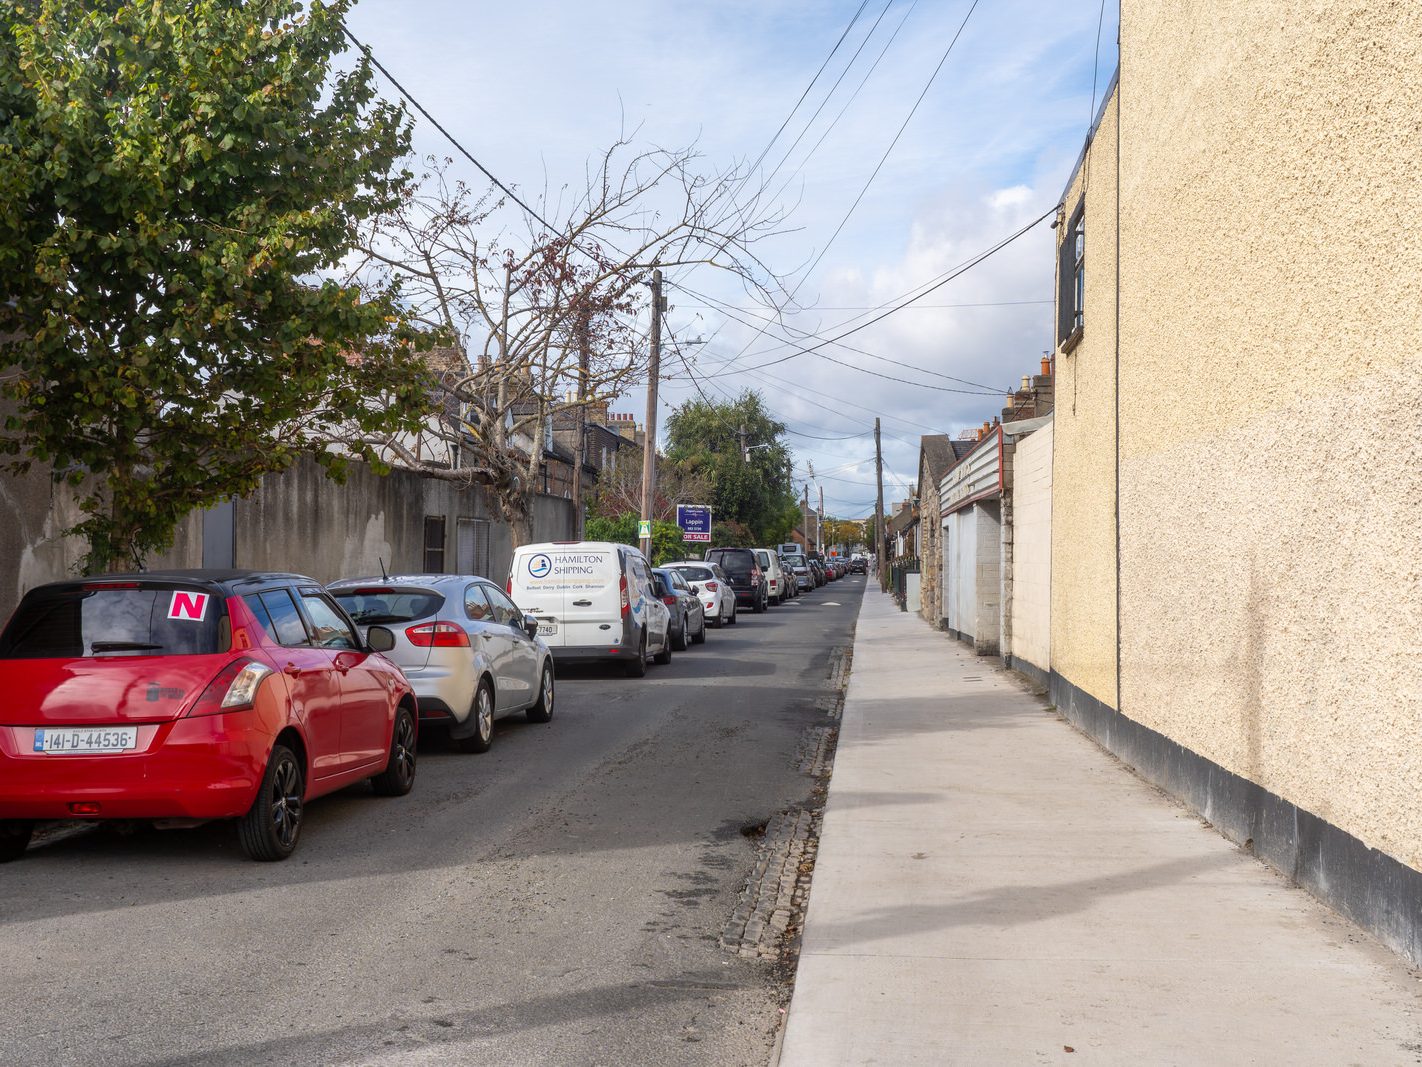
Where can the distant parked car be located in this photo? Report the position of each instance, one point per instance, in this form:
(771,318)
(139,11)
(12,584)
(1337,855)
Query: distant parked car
(688,617)
(804,576)
(471,656)
(774,575)
(710,583)
(747,579)
(858,565)
(594,600)
(194,695)
(818,569)
(791,587)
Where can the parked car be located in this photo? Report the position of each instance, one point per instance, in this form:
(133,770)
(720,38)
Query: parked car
(688,617)
(747,579)
(710,583)
(594,601)
(186,696)
(471,656)
(818,569)
(858,565)
(791,588)
(774,575)
(804,576)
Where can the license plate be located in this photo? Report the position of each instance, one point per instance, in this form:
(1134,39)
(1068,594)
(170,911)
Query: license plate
(547,629)
(96,739)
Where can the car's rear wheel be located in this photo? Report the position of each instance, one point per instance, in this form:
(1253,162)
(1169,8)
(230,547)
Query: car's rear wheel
(732,619)
(637,666)
(681,639)
(663,657)
(272,826)
(14,839)
(398,778)
(482,713)
(700,637)
(542,711)
(759,606)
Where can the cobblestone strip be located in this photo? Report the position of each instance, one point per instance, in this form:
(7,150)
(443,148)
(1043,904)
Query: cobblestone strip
(774,897)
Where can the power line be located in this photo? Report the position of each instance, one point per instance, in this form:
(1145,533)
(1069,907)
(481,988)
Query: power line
(436,124)
(719,305)
(879,166)
(969,265)
(986,390)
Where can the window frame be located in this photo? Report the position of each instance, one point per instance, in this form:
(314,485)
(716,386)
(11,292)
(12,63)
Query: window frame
(1071,279)
(441,523)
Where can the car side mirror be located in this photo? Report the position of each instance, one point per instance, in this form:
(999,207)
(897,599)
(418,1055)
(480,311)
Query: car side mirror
(530,626)
(379,639)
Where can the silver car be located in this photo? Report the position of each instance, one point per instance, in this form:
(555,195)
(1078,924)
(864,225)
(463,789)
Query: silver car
(470,655)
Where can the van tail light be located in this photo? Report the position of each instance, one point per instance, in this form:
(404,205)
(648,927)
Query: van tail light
(508,585)
(622,594)
(437,635)
(710,587)
(234,688)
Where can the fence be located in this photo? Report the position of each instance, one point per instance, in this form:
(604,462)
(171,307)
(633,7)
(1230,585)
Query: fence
(899,571)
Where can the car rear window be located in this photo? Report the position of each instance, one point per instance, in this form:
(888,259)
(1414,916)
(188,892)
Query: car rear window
(695,574)
(737,564)
(372,607)
(117,620)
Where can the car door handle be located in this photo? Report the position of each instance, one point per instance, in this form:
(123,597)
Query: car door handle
(291,670)
(582,603)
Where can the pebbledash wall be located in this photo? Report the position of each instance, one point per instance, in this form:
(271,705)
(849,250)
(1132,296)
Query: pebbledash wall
(1266,447)
(298,520)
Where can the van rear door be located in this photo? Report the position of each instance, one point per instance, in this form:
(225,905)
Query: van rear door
(539,590)
(592,606)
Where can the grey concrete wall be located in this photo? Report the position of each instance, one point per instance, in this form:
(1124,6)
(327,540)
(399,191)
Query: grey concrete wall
(298,520)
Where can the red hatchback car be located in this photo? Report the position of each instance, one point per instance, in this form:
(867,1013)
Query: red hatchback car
(184,696)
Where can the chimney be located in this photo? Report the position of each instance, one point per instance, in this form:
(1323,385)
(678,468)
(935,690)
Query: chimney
(1046,366)
(1026,381)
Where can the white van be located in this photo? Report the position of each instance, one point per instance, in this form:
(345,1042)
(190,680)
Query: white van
(593,601)
(774,574)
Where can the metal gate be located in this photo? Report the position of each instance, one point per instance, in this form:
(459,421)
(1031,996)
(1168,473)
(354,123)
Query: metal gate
(471,547)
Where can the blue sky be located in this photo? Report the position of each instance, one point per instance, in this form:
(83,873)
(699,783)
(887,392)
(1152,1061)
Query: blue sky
(535,89)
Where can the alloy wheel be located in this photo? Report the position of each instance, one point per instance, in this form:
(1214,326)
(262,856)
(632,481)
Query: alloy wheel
(286,802)
(403,754)
(484,708)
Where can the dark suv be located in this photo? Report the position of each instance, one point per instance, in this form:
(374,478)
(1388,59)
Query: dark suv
(750,583)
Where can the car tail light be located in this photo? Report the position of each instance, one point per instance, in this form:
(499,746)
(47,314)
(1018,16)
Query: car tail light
(84,807)
(438,635)
(755,574)
(710,587)
(234,688)
(670,601)
(622,593)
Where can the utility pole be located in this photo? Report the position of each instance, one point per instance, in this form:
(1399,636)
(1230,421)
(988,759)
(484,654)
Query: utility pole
(580,453)
(820,522)
(805,522)
(649,446)
(879,510)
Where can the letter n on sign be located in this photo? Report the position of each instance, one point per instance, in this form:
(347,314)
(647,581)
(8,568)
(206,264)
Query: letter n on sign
(190,606)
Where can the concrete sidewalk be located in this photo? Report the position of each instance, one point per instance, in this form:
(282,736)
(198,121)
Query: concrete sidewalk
(991,887)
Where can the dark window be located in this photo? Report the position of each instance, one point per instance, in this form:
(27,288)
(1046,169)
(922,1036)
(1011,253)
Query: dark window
(129,620)
(286,621)
(476,604)
(378,606)
(434,544)
(504,610)
(695,574)
(471,549)
(329,628)
(1071,276)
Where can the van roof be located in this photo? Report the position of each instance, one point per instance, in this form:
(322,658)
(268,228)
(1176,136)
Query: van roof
(563,546)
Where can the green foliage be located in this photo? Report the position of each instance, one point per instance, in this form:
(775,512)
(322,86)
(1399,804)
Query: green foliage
(667,543)
(176,177)
(751,492)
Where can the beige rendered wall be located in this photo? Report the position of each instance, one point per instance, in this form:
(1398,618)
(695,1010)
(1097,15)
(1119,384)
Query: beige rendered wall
(1271,436)
(1032,549)
(1083,612)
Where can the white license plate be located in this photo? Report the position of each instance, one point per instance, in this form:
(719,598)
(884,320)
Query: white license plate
(547,629)
(87,739)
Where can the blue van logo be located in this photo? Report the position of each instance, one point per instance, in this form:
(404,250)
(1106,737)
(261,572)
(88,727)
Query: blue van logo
(540,566)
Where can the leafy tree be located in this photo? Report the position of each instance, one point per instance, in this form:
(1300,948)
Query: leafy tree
(740,450)
(176,177)
(667,542)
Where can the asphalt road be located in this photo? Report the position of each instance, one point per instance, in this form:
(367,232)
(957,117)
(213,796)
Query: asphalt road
(557,900)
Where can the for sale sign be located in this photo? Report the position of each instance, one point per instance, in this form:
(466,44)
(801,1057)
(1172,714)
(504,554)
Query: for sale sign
(695,521)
